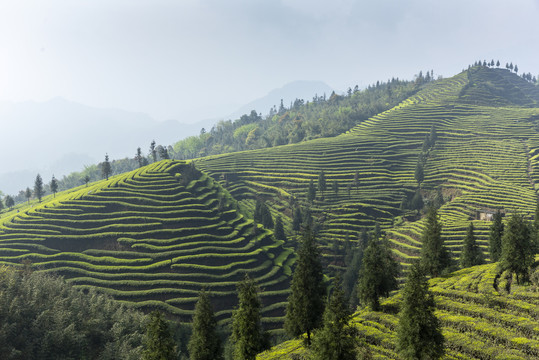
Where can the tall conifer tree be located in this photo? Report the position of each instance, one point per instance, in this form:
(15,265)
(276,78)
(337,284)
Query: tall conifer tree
(434,256)
(378,273)
(247,334)
(419,334)
(495,236)
(159,342)
(38,187)
(204,343)
(517,248)
(471,254)
(306,302)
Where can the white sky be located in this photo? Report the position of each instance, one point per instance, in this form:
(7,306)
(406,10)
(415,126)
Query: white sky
(194,59)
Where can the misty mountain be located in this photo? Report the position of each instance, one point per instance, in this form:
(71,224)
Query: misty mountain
(295,90)
(60,136)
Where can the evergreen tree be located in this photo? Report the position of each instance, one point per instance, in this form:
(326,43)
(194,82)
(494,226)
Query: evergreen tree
(306,302)
(106,169)
(434,256)
(86,180)
(495,236)
(335,187)
(8,200)
(159,342)
(54,186)
(356,181)
(419,172)
(336,339)
(322,186)
(153,151)
(279,229)
(311,191)
(378,273)
(28,194)
(38,187)
(139,158)
(247,334)
(471,254)
(204,343)
(419,334)
(518,252)
(297,219)
(417,201)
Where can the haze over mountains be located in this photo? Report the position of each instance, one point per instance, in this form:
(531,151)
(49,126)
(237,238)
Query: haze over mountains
(59,136)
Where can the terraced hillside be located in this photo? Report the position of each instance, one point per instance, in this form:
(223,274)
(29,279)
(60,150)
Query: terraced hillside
(480,319)
(151,238)
(485,157)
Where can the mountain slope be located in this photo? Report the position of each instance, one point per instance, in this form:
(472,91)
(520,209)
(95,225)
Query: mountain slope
(151,238)
(480,319)
(484,158)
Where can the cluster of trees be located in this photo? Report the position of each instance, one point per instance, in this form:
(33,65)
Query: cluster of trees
(42,317)
(301,121)
(509,66)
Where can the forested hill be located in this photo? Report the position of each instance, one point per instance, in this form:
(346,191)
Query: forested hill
(302,120)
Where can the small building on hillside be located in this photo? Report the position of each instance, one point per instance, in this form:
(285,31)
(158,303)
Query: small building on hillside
(486,214)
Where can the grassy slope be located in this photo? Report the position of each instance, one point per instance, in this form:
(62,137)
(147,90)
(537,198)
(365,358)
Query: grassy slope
(480,320)
(485,157)
(151,239)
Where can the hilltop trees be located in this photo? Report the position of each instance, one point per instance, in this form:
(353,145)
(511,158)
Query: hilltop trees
(204,343)
(106,169)
(434,256)
(306,302)
(471,254)
(159,342)
(247,334)
(38,187)
(378,273)
(28,194)
(495,236)
(517,248)
(419,334)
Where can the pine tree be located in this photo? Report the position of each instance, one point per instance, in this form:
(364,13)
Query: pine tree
(297,219)
(306,302)
(419,172)
(336,339)
(322,186)
(204,343)
(159,342)
(419,334)
(335,186)
(495,236)
(417,201)
(471,254)
(28,194)
(247,334)
(139,158)
(54,186)
(9,201)
(106,169)
(434,256)
(378,273)
(517,248)
(153,151)
(278,230)
(311,191)
(38,187)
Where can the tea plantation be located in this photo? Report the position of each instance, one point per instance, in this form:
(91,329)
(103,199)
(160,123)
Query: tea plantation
(482,317)
(485,157)
(152,238)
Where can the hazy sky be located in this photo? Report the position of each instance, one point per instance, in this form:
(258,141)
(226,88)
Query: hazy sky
(192,59)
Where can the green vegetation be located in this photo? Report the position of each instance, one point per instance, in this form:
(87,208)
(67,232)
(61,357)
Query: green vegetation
(151,238)
(306,302)
(479,319)
(159,342)
(43,317)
